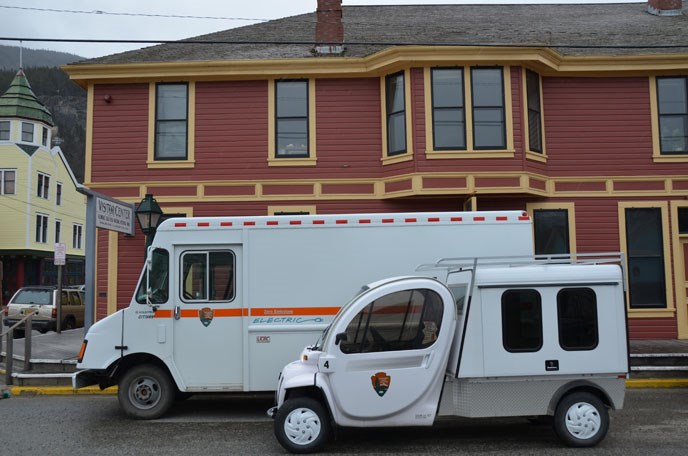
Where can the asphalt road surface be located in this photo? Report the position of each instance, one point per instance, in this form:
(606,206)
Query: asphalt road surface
(653,422)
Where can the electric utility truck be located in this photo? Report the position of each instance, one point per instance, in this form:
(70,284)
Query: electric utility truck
(484,337)
(224,302)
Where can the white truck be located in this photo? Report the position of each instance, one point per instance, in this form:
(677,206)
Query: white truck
(531,337)
(223,303)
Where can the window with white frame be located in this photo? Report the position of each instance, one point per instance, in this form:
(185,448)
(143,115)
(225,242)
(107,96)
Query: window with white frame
(58,231)
(27,132)
(8,178)
(43,186)
(44,137)
(4,130)
(76,236)
(41,228)
(58,194)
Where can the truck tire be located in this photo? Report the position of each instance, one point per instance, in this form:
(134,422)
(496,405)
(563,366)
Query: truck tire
(145,392)
(302,425)
(581,420)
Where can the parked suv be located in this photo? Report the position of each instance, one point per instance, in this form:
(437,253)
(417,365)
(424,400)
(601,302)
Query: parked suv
(44,299)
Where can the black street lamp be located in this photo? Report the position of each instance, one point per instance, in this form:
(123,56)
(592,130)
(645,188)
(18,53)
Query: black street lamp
(148,214)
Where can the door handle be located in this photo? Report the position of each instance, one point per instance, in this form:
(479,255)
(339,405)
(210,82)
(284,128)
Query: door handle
(177,312)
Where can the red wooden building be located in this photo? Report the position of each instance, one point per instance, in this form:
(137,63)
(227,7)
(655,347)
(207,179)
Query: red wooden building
(577,114)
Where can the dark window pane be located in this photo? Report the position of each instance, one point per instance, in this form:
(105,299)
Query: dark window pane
(521,321)
(673,132)
(396,133)
(292,98)
(27,132)
(447,88)
(551,228)
(534,111)
(449,130)
(488,128)
(292,137)
(645,250)
(395,93)
(672,96)
(4,130)
(683,220)
(171,139)
(171,102)
(221,276)
(644,231)
(577,318)
(487,87)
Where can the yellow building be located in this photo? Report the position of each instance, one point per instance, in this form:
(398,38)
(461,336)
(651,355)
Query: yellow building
(39,202)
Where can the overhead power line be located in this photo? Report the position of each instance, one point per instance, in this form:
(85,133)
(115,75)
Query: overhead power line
(111,13)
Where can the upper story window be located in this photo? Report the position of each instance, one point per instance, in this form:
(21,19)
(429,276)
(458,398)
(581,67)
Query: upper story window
(27,132)
(43,186)
(672,101)
(8,178)
(395,111)
(534,111)
(448,109)
(58,194)
(291,119)
(4,130)
(44,138)
(171,121)
(489,122)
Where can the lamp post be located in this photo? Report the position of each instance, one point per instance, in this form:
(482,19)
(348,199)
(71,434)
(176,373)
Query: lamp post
(148,214)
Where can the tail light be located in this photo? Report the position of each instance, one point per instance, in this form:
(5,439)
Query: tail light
(6,311)
(53,314)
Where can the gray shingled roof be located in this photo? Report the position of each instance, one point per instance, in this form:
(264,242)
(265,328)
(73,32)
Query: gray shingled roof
(576,29)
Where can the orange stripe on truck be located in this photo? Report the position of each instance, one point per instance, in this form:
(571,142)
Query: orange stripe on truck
(269,312)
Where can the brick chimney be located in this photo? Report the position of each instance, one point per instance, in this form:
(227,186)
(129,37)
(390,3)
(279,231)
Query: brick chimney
(664,7)
(329,30)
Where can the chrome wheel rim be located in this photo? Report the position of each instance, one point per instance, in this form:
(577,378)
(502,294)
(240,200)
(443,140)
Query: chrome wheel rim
(583,421)
(302,426)
(144,393)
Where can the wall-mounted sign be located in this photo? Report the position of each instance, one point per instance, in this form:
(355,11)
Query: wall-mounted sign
(114,215)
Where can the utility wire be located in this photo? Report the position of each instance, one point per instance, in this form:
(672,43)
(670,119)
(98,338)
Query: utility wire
(110,13)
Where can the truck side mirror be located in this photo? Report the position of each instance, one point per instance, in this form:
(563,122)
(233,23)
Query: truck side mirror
(341,337)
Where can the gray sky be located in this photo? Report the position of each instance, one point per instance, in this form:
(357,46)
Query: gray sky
(132,20)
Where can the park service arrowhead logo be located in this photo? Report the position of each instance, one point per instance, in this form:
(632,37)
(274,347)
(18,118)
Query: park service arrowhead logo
(206,316)
(381,383)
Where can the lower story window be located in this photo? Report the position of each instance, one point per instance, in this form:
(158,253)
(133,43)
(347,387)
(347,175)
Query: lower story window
(645,250)
(76,236)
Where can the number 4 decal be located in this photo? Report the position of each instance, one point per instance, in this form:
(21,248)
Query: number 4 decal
(326,365)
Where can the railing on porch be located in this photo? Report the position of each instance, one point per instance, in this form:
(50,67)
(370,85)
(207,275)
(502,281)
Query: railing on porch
(9,345)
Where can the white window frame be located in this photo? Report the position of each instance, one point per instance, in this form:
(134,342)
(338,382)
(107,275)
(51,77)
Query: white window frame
(77,231)
(42,221)
(43,186)
(3,173)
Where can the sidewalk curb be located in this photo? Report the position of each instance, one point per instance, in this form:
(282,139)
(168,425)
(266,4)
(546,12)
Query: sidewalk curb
(59,391)
(657,383)
(94,390)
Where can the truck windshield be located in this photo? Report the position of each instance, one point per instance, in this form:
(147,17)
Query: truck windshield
(158,285)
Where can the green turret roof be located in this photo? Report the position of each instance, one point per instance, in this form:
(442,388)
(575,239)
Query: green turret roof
(20,101)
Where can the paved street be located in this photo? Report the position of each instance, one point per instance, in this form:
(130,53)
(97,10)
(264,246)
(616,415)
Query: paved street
(653,422)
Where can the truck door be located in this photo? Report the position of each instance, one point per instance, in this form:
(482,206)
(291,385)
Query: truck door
(207,320)
(389,357)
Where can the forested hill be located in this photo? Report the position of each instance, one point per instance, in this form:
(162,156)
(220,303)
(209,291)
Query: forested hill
(65,100)
(9,58)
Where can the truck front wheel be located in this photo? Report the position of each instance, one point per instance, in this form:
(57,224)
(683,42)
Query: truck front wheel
(302,425)
(145,392)
(581,420)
